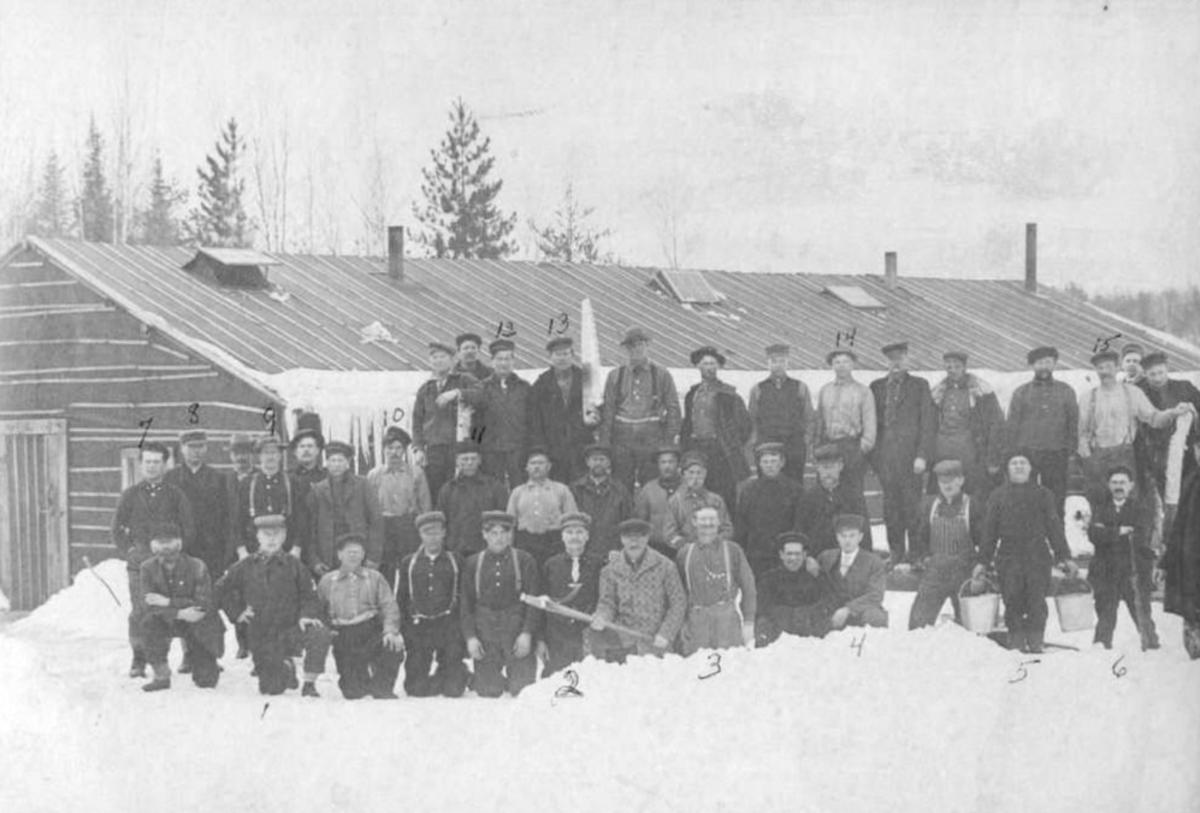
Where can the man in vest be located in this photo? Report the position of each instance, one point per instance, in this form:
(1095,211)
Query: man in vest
(427,586)
(970,426)
(571,578)
(640,413)
(949,532)
(1123,567)
(845,417)
(497,625)
(781,411)
(768,505)
(858,577)
(651,503)
(1043,422)
(718,579)
(717,425)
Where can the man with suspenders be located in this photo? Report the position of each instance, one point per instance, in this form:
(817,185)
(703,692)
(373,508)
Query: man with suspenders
(715,571)
(949,529)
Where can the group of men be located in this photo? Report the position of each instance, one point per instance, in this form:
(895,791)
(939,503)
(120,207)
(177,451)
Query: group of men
(649,528)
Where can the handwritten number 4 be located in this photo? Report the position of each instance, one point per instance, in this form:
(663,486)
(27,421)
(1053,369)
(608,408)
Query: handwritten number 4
(858,644)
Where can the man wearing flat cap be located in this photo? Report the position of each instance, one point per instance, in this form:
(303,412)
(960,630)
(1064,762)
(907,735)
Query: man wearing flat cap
(427,587)
(603,499)
(1165,393)
(1109,418)
(651,503)
(556,415)
(342,503)
(904,446)
(501,406)
(571,578)
(768,505)
(207,494)
(716,424)
(781,411)
(306,445)
(826,499)
(857,577)
(539,506)
(403,493)
(1043,421)
(464,499)
(496,624)
(435,415)
(640,412)
(469,345)
(794,597)
(970,425)
(680,526)
(1132,369)
(845,417)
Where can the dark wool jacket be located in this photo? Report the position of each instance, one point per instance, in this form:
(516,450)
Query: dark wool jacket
(910,430)
(503,418)
(278,587)
(766,508)
(733,426)
(463,500)
(137,514)
(434,425)
(557,425)
(797,603)
(986,421)
(608,504)
(1043,416)
(208,498)
(359,504)
(1181,562)
(1023,520)
(818,509)
(187,585)
(556,582)
(1104,530)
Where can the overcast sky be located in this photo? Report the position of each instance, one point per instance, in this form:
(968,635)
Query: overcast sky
(789,136)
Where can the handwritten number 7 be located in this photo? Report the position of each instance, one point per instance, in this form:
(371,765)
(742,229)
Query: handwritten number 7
(144,425)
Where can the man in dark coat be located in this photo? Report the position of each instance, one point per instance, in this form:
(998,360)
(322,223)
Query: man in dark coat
(307,445)
(243,455)
(781,411)
(205,489)
(970,426)
(571,578)
(502,401)
(271,491)
(716,424)
(826,499)
(468,361)
(272,595)
(499,626)
(1023,520)
(857,577)
(464,499)
(340,504)
(603,499)
(556,420)
(768,505)
(1043,422)
(905,433)
(178,600)
(792,598)
(149,503)
(435,415)
(1181,562)
(427,587)
(1165,393)
(1123,567)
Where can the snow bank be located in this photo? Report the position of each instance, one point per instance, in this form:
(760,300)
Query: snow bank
(85,608)
(4,606)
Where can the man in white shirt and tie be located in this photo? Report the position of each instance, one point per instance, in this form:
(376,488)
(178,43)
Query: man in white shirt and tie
(858,577)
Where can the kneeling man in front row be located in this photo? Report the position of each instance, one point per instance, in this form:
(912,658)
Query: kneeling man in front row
(857,576)
(794,598)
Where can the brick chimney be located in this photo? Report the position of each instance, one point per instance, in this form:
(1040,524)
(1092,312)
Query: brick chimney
(1031,280)
(890,272)
(395,253)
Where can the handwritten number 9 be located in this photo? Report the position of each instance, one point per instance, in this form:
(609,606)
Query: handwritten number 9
(268,417)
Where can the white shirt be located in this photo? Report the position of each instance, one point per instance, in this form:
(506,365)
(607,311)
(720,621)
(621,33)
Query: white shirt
(847,561)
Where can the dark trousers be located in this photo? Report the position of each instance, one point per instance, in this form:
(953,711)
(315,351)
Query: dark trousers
(506,465)
(273,647)
(400,538)
(901,499)
(540,546)
(564,643)
(157,632)
(439,466)
(940,581)
(434,639)
(499,670)
(364,665)
(1051,470)
(854,463)
(720,477)
(633,448)
(137,612)
(1023,586)
(608,645)
(1127,576)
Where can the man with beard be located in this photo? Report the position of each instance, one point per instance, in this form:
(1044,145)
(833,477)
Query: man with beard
(435,415)
(828,498)
(1123,566)
(603,499)
(1043,421)
(502,401)
(571,578)
(463,500)
(403,493)
(794,597)
(307,445)
(970,426)
(539,506)
(781,411)
(768,505)
(556,419)
(652,501)
(717,425)
(342,503)
(845,417)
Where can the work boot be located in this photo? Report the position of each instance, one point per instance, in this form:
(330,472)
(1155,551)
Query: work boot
(289,668)
(186,667)
(1016,640)
(162,679)
(137,667)
(309,690)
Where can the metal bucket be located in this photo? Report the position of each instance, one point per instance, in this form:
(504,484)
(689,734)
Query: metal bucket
(1076,611)
(979,613)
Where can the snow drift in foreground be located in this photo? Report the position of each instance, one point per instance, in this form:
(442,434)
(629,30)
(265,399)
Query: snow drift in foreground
(936,720)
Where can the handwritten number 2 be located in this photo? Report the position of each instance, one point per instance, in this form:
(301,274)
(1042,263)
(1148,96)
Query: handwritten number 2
(571,687)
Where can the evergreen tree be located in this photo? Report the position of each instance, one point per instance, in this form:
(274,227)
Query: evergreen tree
(95,204)
(570,237)
(219,218)
(156,225)
(51,216)
(459,215)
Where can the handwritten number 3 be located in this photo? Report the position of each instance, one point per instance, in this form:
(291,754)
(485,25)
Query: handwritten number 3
(714,661)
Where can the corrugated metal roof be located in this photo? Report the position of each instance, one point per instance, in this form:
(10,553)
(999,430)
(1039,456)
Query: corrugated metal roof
(318,306)
(237,256)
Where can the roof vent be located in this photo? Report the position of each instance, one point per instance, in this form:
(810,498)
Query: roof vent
(855,297)
(232,267)
(688,287)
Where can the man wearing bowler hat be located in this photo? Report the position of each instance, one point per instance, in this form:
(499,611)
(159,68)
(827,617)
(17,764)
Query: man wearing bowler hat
(970,425)
(342,503)
(716,424)
(502,420)
(640,412)
(556,416)
(1043,422)
(781,411)
(845,417)
(403,493)
(435,415)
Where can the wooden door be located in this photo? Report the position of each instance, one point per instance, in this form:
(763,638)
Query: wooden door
(33,510)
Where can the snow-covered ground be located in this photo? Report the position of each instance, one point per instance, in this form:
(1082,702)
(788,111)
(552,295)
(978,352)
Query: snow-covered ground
(936,720)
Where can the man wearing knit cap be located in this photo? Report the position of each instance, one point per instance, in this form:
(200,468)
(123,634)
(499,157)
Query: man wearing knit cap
(1165,393)
(781,411)
(970,425)
(539,506)
(768,505)
(342,503)
(207,494)
(793,597)
(469,345)
(435,415)
(651,503)
(501,403)
(497,625)
(904,446)
(845,417)
(719,582)
(603,499)
(271,596)
(427,587)
(858,578)
(716,424)
(556,415)
(828,498)
(1109,417)
(680,526)
(640,412)
(1043,421)
(464,499)
(949,533)
(571,578)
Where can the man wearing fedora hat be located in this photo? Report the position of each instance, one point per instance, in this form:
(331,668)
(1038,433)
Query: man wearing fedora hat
(1043,421)
(716,424)
(640,412)
(403,493)
(208,497)
(556,417)
(781,411)
(502,417)
(342,503)
(845,417)
(435,415)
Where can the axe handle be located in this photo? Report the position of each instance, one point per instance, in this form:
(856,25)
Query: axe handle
(551,606)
